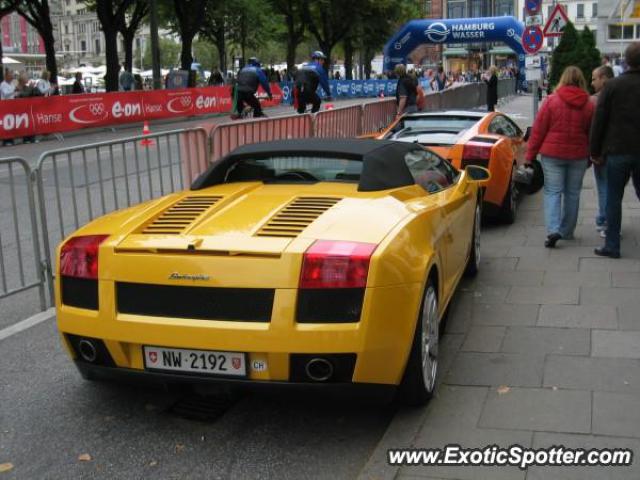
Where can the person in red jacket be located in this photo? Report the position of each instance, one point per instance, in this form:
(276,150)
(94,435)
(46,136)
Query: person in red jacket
(561,135)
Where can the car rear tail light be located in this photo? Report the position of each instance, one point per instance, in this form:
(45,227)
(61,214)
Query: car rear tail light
(476,154)
(79,256)
(330,264)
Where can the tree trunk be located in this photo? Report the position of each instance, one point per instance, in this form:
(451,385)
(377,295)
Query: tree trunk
(50,53)
(221,46)
(186,59)
(348,59)
(291,45)
(111,53)
(326,49)
(368,58)
(128,36)
(1,54)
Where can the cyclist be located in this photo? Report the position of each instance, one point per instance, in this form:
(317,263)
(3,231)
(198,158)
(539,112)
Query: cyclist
(246,87)
(308,77)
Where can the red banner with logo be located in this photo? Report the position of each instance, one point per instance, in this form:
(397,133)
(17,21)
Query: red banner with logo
(44,115)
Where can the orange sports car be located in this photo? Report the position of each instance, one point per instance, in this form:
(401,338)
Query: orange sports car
(488,139)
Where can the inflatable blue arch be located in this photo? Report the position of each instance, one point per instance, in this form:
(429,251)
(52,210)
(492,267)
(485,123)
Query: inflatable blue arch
(452,31)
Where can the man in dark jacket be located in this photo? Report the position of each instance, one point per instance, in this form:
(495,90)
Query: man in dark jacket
(308,77)
(615,140)
(247,86)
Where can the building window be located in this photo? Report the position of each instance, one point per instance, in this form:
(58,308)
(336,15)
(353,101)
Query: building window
(83,46)
(82,28)
(456,9)
(66,47)
(594,9)
(66,29)
(581,10)
(620,32)
(504,7)
(427,8)
(97,46)
(81,11)
(475,8)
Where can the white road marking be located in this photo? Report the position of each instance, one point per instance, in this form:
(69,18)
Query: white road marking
(27,323)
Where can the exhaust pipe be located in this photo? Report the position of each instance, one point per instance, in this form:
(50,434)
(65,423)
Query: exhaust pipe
(87,350)
(319,369)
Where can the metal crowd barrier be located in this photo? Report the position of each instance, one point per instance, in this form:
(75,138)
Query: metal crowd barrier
(19,236)
(228,136)
(376,116)
(77,184)
(338,123)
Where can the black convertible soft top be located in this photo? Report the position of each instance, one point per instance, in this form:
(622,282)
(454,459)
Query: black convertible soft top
(383,167)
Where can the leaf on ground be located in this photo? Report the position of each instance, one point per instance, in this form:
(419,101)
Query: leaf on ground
(153,463)
(5,467)
(84,457)
(179,447)
(502,389)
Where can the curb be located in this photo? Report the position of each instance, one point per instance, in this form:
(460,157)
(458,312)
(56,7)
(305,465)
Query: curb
(401,433)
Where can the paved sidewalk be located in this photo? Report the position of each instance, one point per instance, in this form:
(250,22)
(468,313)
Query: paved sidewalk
(541,349)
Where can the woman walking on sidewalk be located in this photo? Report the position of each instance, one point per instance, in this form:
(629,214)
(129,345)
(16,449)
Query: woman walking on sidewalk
(561,135)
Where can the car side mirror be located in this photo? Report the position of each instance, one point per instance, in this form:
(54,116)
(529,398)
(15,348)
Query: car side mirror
(527,134)
(477,174)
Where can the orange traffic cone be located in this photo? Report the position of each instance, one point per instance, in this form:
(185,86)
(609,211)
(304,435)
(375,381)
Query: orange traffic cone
(146,142)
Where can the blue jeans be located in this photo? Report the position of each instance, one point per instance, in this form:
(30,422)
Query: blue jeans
(600,174)
(619,169)
(562,186)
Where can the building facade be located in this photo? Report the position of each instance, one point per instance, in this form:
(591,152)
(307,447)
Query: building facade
(618,25)
(476,56)
(581,13)
(81,38)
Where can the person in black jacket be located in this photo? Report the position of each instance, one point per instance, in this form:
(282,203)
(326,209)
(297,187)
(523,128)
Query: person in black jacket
(77,85)
(491,79)
(616,143)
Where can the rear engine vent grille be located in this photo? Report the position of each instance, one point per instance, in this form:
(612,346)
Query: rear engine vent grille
(296,216)
(484,140)
(178,217)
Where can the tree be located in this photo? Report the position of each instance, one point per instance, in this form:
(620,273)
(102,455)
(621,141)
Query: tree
(169,54)
(215,29)
(329,21)
(128,26)
(566,53)
(37,14)
(189,16)
(589,54)
(293,13)
(111,14)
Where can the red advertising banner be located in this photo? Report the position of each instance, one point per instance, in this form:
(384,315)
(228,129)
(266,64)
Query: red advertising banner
(44,115)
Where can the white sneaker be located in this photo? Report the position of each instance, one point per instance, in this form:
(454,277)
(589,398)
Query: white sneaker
(603,233)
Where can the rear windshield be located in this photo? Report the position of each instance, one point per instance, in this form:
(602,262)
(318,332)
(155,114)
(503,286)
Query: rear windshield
(446,123)
(295,169)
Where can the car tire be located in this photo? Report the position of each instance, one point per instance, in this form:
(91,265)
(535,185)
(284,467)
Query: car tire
(509,209)
(473,263)
(420,375)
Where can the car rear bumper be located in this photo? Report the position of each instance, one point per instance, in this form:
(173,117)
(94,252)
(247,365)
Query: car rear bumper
(379,392)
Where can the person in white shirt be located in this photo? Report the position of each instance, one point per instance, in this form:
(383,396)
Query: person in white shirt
(7,88)
(43,84)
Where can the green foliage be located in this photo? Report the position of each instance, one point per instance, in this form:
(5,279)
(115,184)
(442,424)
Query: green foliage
(205,54)
(169,54)
(578,49)
(590,55)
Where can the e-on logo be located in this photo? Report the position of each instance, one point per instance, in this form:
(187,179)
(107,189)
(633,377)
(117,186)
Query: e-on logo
(437,32)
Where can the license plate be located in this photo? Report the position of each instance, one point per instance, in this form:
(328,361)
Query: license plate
(195,361)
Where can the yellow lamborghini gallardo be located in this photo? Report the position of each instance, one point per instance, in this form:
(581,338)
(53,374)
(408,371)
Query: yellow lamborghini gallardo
(315,263)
